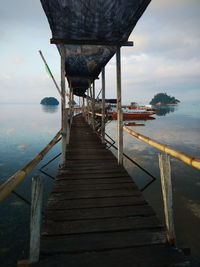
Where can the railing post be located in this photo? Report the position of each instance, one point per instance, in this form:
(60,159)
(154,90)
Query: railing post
(35,221)
(68,124)
(119,109)
(63,103)
(92,106)
(87,107)
(103,107)
(165,174)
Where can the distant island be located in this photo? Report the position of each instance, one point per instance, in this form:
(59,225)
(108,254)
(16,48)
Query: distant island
(49,101)
(164,99)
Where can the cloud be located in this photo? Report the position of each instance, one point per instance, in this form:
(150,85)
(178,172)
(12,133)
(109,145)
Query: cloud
(165,53)
(5,76)
(17,59)
(9,131)
(22,147)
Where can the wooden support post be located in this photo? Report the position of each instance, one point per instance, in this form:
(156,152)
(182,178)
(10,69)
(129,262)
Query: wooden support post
(63,103)
(103,107)
(93,87)
(83,107)
(165,174)
(87,106)
(119,109)
(92,106)
(68,126)
(36,208)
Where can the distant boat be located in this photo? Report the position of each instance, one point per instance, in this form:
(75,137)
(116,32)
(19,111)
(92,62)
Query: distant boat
(145,107)
(131,114)
(134,124)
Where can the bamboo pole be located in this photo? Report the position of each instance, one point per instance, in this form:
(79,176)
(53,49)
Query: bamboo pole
(119,108)
(8,186)
(103,107)
(35,221)
(63,104)
(165,175)
(46,65)
(175,153)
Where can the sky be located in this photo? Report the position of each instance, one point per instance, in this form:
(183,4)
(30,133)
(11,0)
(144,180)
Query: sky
(165,56)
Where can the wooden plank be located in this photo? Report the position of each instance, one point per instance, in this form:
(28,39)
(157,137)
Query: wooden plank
(92,169)
(67,187)
(101,241)
(96,202)
(98,181)
(92,176)
(151,256)
(95,213)
(100,225)
(93,194)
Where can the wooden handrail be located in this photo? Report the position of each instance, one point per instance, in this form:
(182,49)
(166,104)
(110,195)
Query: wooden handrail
(9,185)
(175,153)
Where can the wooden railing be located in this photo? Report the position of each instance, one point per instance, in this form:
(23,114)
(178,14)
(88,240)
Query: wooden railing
(9,185)
(175,153)
(165,175)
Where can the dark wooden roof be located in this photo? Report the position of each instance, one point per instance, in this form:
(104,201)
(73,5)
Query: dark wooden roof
(82,24)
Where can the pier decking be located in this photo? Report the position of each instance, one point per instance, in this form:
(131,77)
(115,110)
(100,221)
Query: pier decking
(96,215)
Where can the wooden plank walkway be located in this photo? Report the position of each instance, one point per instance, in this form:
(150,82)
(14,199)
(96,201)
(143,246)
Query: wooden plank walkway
(96,215)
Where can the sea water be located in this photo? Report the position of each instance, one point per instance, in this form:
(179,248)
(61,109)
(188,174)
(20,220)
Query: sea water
(26,128)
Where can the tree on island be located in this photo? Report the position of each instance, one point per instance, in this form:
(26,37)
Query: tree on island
(163,99)
(49,101)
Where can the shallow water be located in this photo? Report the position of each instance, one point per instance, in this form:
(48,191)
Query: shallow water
(26,129)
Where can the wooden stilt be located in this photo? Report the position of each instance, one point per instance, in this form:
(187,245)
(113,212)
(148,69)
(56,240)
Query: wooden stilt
(165,174)
(36,208)
(103,107)
(63,103)
(92,106)
(119,109)
(87,107)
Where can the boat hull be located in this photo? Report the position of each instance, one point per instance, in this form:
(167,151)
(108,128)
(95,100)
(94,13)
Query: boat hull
(132,116)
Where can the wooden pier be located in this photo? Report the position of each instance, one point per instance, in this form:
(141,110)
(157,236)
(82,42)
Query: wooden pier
(96,215)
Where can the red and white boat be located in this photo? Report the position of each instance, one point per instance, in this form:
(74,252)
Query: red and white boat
(131,114)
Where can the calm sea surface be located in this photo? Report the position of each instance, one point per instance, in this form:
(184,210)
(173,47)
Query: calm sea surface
(26,129)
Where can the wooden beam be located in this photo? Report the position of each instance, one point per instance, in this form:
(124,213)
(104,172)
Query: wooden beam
(103,107)
(91,42)
(63,104)
(165,174)
(119,109)
(35,221)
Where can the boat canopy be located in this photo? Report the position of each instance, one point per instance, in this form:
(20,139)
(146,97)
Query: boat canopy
(91,31)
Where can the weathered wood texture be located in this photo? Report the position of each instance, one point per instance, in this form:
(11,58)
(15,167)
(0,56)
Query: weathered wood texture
(165,175)
(96,216)
(36,211)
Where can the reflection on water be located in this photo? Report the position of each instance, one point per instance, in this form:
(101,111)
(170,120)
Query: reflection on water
(180,129)
(26,129)
(163,110)
(50,108)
